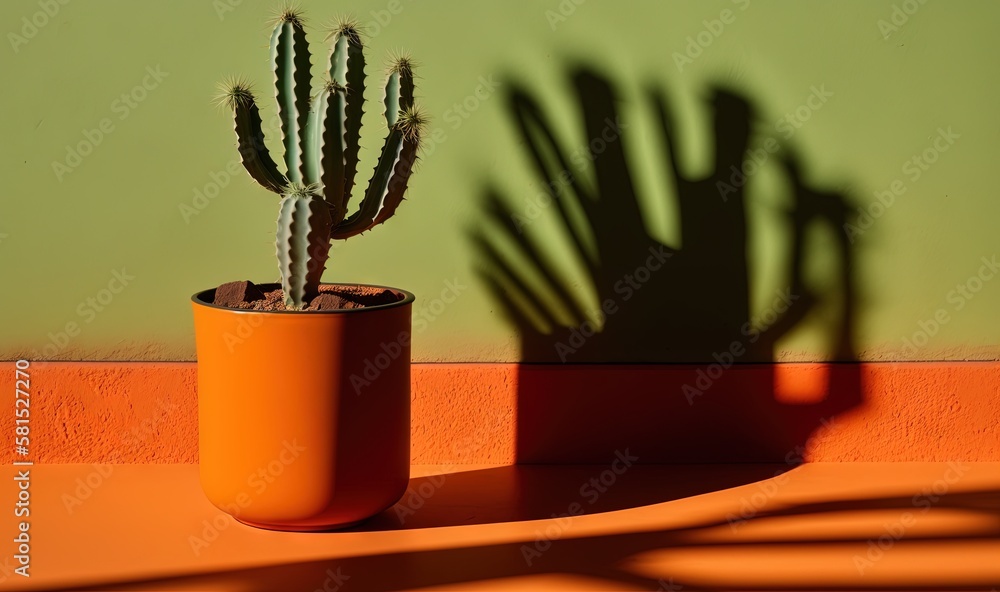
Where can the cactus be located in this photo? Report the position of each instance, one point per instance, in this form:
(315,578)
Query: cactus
(321,136)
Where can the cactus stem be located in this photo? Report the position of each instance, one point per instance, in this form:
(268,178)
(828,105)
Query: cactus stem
(234,90)
(346,26)
(332,86)
(400,61)
(289,13)
(412,122)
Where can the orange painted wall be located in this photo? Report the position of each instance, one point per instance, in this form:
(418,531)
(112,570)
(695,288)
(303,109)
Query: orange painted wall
(505,413)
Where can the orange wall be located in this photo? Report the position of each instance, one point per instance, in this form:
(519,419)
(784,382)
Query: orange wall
(505,413)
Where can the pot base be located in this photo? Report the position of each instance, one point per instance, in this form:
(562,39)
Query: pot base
(284,528)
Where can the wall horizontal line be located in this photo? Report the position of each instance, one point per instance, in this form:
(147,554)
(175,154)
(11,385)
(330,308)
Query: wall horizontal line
(494,413)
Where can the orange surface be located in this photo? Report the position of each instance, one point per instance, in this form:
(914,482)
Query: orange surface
(831,526)
(502,413)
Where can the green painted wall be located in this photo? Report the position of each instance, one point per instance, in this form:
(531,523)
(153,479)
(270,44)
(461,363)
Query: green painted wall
(65,234)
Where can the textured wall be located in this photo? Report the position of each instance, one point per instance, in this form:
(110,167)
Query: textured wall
(120,202)
(502,413)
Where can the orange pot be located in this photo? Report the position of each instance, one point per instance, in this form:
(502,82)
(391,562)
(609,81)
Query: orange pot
(304,417)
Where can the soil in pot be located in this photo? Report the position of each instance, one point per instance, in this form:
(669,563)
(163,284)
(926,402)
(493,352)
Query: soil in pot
(270,297)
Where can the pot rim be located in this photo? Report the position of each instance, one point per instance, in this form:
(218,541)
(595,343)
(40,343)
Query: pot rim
(408,298)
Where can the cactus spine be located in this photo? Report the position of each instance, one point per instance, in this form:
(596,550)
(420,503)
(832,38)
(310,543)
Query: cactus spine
(321,139)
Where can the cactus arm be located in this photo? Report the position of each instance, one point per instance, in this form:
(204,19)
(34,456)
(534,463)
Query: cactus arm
(389,181)
(250,136)
(398,91)
(396,187)
(347,68)
(378,187)
(290,61)
(329,125)
(303,246)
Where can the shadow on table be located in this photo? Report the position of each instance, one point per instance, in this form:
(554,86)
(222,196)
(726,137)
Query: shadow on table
(533,492)
(626,559)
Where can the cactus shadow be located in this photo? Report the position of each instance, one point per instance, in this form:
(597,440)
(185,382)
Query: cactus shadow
(672,358)
(517,493)
(614,559)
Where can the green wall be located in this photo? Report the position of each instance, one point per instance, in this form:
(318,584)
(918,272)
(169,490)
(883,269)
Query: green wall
(64,234)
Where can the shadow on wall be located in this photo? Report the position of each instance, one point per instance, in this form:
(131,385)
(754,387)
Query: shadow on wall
(659,303)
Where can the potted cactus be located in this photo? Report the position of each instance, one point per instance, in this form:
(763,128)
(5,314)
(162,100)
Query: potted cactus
(304,387)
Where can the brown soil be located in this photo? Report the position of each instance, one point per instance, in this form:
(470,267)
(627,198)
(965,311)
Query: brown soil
(270,297)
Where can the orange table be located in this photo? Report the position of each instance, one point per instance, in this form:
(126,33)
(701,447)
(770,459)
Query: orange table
(900,526)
